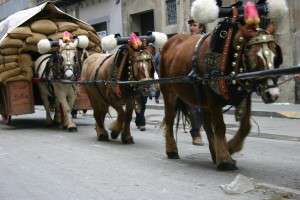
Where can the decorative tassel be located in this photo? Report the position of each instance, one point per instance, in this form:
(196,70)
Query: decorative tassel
(251,14)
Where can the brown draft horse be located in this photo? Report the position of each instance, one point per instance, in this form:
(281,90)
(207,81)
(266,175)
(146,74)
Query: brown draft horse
(130,63)
(250,50)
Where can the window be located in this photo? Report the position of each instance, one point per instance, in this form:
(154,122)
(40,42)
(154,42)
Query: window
(101,28)
(3,1)
(171,12)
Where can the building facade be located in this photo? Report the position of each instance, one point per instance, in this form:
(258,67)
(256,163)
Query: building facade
(104,15)
(8,7)
(169,16)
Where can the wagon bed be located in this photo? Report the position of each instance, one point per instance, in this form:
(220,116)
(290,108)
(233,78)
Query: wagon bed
(20,97)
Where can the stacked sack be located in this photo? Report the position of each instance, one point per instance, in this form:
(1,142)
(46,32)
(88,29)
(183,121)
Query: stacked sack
(16,49)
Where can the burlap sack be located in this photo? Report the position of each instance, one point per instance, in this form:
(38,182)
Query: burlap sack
(35,38)
(44,26)
(80,31)
(8,66)
(98,49)
(85,26)
(9,51)
(11,43)
(21,33)
(28,48)
(92,45)
(25,61)
(27,72)
(8,59)
(17,78)
(9,74)
(66,26)
(94,38)
(56,36)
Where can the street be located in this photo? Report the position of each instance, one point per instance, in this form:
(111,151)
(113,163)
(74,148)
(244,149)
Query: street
(49,163)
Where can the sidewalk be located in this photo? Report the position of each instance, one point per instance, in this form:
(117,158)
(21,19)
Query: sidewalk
(259,109)
(279,121)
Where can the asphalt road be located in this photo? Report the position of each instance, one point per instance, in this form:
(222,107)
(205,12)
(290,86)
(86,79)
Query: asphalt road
(50,163)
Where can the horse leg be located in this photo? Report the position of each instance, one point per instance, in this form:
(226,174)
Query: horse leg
(100,110)
(117,125)
(126,134)
(236,143)
(57,115)
(44,96)
(170,113)
(99,114)
(223,158)
(207,125)
(61,94)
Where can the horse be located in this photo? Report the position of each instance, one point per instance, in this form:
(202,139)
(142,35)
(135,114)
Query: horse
(50,69)
(132,62)
(248,49)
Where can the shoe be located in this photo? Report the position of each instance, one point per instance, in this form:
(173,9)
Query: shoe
(142,128)
(198,141)
(157,101)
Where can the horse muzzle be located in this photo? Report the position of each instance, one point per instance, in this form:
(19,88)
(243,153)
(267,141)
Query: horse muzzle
(269,91)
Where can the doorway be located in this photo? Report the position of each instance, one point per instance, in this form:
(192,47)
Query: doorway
(143,22)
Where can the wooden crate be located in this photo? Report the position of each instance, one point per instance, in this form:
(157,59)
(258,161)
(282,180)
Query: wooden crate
(82,101)
(17,98)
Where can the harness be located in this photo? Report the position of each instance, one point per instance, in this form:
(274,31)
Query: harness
(216,64)
(95,78)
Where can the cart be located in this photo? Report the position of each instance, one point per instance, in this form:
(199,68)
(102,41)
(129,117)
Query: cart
(20,97)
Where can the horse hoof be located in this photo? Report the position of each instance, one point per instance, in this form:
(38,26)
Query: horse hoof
(114,135)
(128,141)
(103,138)
(72,129)
(173,155)
(227,166)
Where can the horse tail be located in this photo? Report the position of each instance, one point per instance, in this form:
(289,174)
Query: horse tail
(182,113)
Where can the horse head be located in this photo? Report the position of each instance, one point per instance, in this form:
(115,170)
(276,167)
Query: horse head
(140,52)
(261,52)
(66,59)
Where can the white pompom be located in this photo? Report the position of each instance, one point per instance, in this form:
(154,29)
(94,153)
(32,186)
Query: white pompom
(69,73)
(44,46)
(83,41)
(277,9)
(205,11)
(109,43)
(160,39)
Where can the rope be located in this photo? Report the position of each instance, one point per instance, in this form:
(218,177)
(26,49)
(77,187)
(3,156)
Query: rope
(192,80)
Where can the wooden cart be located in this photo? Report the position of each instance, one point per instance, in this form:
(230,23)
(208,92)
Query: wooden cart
(20,97)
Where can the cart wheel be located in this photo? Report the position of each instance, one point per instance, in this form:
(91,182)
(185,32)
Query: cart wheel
(6,119)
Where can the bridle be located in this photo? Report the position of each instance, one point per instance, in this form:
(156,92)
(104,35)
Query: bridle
(241,63)
(141,57)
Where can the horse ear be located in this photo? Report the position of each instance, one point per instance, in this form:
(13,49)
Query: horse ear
(82,41)
(109,43)
(270,29)
(248,31)
(44,46)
